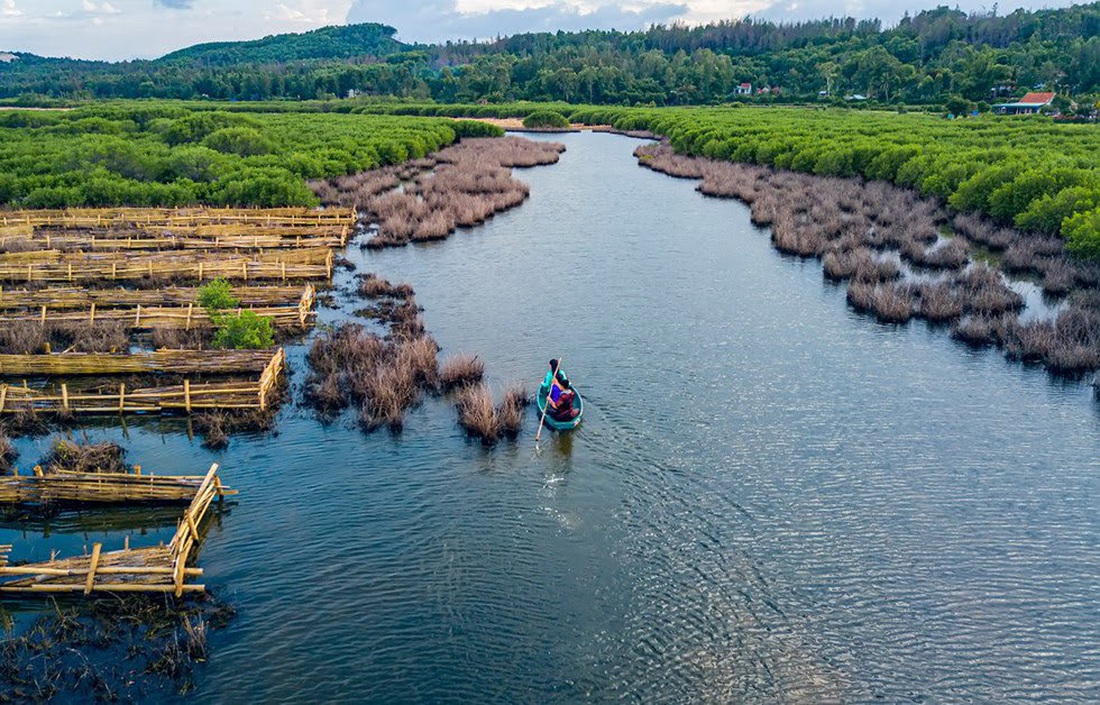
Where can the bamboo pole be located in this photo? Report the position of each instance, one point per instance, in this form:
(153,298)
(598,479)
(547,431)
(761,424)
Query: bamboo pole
(89,583)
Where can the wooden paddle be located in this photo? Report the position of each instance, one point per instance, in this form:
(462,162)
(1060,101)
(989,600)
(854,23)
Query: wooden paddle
(546,406)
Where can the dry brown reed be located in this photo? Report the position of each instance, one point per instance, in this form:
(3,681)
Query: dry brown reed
(860,265)
(182,338)
(940,302)
(511,409)
(8,453)
(982,330)
(844,220)
(1059,276)
(460,371)
(890,303)
(372,286)
(476,413)
(23,337)
(950,255)
(459,186)
(350,365)
(105,337)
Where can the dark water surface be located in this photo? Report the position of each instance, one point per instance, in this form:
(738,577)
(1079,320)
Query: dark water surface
(771,499)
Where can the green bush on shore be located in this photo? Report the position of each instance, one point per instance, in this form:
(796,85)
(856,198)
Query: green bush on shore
(546,118)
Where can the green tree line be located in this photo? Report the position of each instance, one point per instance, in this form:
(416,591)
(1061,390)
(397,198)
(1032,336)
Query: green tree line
(926,59)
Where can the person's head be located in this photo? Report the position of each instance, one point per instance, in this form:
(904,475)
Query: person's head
(554,364)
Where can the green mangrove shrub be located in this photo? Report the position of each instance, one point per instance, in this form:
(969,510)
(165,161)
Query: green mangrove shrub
(546,118)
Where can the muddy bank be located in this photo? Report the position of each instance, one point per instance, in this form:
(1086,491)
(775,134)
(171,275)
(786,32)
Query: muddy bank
(906,257)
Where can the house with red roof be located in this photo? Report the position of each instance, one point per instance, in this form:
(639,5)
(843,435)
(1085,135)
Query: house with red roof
(1031,103)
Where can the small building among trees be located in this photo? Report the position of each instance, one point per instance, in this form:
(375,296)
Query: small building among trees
(1031,103)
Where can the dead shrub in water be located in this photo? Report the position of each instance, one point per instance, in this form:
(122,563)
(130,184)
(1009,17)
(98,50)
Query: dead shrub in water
(476,413)
(510,411)
(75,649)
(983,330)
(101,338)
(23,338)
(859,265)
(950,255)
(460,370)
(419,356)
(182,338)
(986,293)
(352,366)
(940,302)
(8,453)
(1068,345)
(388,391)
(372,286)
(983,232)
(406,322)
(1059,276)
(70,456)
(890,303)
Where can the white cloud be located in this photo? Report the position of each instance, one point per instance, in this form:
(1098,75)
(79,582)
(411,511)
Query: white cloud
(8,9)
(306,12)
(103,8)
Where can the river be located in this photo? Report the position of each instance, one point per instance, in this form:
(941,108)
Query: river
(771,498)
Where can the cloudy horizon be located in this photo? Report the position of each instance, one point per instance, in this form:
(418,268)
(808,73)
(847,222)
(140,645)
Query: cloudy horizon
(116,30)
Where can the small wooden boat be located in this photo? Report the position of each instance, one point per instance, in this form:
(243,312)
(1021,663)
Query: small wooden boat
(578,404)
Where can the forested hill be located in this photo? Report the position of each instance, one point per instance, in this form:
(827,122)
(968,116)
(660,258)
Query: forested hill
(930,58)
(342,42)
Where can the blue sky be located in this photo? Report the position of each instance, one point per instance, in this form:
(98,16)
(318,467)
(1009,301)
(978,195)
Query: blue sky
(128,29)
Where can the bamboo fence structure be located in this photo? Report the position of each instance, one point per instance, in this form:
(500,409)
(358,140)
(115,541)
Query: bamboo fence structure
(160,569)
(184,398)
(141,240)
(264,266)
(175,361)
(300,315)
(100,217)
(78,298)
(63,487)
(305,255)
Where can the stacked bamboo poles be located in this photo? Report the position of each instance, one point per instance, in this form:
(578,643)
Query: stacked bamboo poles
(190,266)
(304,255)
(109,242)
(187,533)
(168,399)
(175,361)
(99,217)
(271,376)
(99,488)
(77,298)
(190,316)
(160,569)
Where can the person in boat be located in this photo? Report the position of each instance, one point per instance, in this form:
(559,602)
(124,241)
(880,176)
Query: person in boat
(559,393)
(563,410)
(555,379)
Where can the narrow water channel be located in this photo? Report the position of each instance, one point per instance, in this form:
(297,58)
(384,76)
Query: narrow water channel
(771,499)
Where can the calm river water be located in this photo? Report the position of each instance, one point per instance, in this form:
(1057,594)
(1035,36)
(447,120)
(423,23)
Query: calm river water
(771,499)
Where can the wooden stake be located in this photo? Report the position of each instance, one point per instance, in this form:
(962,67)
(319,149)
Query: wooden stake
(91,569)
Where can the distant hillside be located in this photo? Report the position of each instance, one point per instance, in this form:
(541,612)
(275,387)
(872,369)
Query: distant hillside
(340,42)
